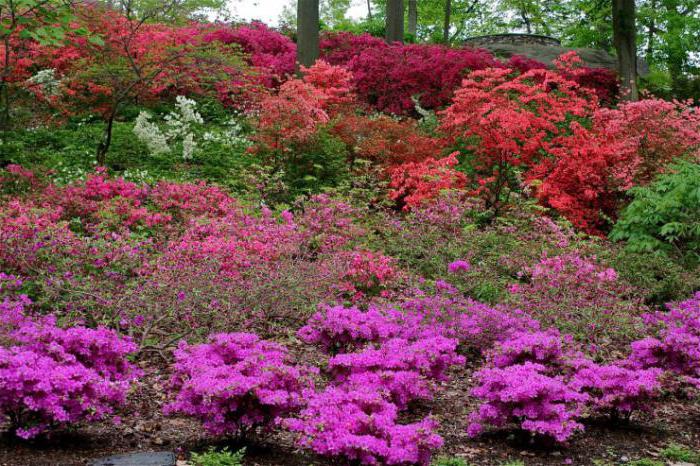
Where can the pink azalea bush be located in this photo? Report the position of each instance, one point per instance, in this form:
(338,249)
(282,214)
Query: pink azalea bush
(342,329)
(236,382)
(561,289)
(430,357)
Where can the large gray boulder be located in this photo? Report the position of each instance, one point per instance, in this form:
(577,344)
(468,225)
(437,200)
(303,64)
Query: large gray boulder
(544,49)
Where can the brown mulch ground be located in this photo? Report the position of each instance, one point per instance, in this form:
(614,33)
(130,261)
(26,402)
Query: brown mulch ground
(145,429)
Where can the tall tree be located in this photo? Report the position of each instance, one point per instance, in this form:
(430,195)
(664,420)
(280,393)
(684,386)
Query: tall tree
(307,32)
(413,18)
(625,40)
(448,22)
(394,21)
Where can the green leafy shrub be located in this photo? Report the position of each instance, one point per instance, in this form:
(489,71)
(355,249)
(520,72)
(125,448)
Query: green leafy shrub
(223,457)
(646,462)
(657,276)
(675,452)
(449,461)
(665,216)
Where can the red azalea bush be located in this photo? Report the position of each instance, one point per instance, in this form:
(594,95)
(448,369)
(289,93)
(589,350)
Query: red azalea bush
(542,128)
(389,77)
(414,183)
(270,52)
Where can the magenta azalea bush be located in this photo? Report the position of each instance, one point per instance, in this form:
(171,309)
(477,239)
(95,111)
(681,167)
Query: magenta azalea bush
(677,348)
(361,425)
(52,377)
(525,395)
(236,382)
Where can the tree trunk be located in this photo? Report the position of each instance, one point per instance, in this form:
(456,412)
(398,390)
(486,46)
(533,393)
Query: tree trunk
(651,35)
(103,146)
(5,88)
(448,21)
(307,32)
(394,21)
(625,39)
(413,18)
(369,10)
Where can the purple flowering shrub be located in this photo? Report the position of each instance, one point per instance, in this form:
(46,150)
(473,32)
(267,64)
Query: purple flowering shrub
(340,329)
(616,389)
(430,357)
(677,347)
(361,425)
(52,377)
(542,383)
(236,382)
(526,395)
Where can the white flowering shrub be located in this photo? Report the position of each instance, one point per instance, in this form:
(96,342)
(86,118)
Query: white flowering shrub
(184,132)
(47,81)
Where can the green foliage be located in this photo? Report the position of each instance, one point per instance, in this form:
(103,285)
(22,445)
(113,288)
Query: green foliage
(449,461)
(223,457)
(655,274)
(314,167)
(513,463)
(675,452)
(69,152)
(646,462)
(665,216)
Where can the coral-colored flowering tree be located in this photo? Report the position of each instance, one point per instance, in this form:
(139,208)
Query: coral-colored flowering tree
(289,118)
(507,121)
(413,183)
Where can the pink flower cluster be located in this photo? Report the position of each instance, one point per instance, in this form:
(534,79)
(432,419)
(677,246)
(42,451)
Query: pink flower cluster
(236,382)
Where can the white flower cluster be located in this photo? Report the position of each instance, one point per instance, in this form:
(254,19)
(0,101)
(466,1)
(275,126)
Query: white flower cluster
(179,127)
(183,127)
(47,81)
(150,134)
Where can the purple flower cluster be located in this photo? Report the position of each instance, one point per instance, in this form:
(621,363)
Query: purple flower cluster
(52,377)
(342,329)
(399,356)
(539,381)
(361,425)
(678,347)
(525,394)
(236,382)
(430,357)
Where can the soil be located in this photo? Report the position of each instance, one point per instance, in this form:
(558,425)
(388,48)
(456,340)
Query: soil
(144,428)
